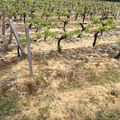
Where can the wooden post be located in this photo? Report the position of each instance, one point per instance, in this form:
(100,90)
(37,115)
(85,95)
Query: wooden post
(12,26)
(10,37)
(29,50)
(3,23)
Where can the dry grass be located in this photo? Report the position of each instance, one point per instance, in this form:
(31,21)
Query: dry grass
(65,86)
(63,89)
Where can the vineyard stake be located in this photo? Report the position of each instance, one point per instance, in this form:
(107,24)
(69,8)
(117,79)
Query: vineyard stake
(29,50)
(13,28)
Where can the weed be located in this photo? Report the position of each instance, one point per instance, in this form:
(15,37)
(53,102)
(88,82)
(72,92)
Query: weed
(113,115)
(88,118)
(118,42)
(38,35)
(23,41)
(42,81)
(23,118)
(69,85)
(44,113)
(110,75)
(8,104)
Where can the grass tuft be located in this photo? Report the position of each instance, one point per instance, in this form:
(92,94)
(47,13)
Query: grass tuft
(108,76)
(8,104)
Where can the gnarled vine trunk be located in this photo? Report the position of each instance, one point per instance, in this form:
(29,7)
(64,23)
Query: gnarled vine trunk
(95,38)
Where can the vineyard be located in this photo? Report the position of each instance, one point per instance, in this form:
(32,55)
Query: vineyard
(59,60)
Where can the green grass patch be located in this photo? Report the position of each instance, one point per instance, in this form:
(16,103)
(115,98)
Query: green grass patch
(108,76)
(23,118)
(113,115)
(8,104)
(42,80)
(108,115)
